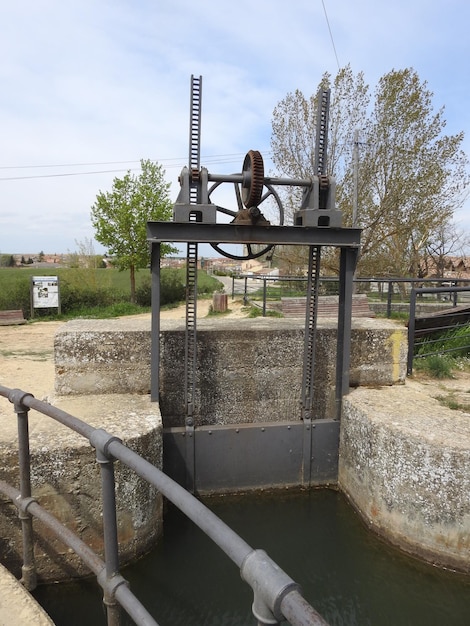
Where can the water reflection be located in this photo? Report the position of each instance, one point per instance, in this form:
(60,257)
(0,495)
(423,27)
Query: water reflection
(347,574)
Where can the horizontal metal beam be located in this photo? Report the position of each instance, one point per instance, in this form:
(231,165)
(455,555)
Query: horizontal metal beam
(231,233)
(267,180)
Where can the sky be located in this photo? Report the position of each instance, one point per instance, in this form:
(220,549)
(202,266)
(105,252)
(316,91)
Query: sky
(91,87)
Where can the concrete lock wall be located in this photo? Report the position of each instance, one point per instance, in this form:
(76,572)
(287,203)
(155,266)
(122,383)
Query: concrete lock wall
(405,465)
(404,461)
(66,481)
(248,370)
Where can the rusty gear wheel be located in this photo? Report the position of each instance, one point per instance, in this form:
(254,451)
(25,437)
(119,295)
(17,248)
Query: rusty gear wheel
(253,179)
(251,194)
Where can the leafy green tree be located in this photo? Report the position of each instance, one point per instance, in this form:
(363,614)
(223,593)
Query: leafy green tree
(409,176)
(7,260)
(120,217)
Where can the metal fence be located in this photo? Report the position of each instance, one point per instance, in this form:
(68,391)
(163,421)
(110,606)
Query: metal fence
(392,291)
(276,596)
(429,340)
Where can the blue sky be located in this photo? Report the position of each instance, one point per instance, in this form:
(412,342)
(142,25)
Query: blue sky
(90,87)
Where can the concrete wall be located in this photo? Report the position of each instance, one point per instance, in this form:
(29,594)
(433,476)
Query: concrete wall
(405,465)
(249,370)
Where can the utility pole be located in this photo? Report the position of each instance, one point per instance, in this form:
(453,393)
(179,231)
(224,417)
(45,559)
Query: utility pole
(355,177)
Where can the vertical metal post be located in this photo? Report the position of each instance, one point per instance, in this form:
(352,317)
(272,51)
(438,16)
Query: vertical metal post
(411,332)
(155,335)
(111,548)
(28,569)
(264,297)
(348,260)
(389,298)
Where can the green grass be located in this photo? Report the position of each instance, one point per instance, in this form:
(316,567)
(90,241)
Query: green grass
(97,278)
(32,355)
(435,365)
(258,312)
(96,293)
(451,402)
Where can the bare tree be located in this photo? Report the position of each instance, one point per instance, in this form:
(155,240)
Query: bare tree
(411,176)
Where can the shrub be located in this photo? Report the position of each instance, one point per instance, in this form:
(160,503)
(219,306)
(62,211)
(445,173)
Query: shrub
(74,297)
(16,295)
(171,289)
(436,366)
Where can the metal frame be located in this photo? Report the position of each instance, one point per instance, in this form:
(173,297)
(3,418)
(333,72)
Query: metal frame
(317,224)
(318,455)
(347,239)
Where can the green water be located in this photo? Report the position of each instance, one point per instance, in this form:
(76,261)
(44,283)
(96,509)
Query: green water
(346,573)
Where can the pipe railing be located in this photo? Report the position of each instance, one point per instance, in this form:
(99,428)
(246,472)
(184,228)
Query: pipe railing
(276,596)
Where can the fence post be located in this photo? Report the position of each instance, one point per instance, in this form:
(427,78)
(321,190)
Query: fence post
(28,569)
(389,298)
(411,331)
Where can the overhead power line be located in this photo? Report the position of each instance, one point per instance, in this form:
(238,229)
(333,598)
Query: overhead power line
(166,163)
(331,34)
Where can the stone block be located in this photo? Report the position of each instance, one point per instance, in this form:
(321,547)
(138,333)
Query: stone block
(405,465)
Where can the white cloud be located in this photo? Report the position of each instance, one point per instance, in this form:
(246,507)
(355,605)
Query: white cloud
(98,82)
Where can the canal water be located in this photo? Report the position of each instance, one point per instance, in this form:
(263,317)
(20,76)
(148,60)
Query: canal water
(349,575)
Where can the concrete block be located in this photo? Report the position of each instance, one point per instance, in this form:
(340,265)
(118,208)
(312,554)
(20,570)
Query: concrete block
(103,356)
(405,465)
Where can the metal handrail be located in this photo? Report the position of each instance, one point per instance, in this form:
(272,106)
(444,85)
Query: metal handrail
(276,596)
(267,278)
(415,293)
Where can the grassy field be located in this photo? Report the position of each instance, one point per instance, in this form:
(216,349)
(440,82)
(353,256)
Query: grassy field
(100,278)
(96,292)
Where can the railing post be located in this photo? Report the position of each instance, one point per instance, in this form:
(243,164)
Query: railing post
(411,331)
(389,299)
(28,569)
(264,296)
(100,440)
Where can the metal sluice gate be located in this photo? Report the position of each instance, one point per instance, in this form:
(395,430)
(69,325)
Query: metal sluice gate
(311,442)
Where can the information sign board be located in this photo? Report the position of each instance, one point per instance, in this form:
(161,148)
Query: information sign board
(45,292)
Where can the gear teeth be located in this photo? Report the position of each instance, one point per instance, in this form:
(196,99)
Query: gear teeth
(254,166)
